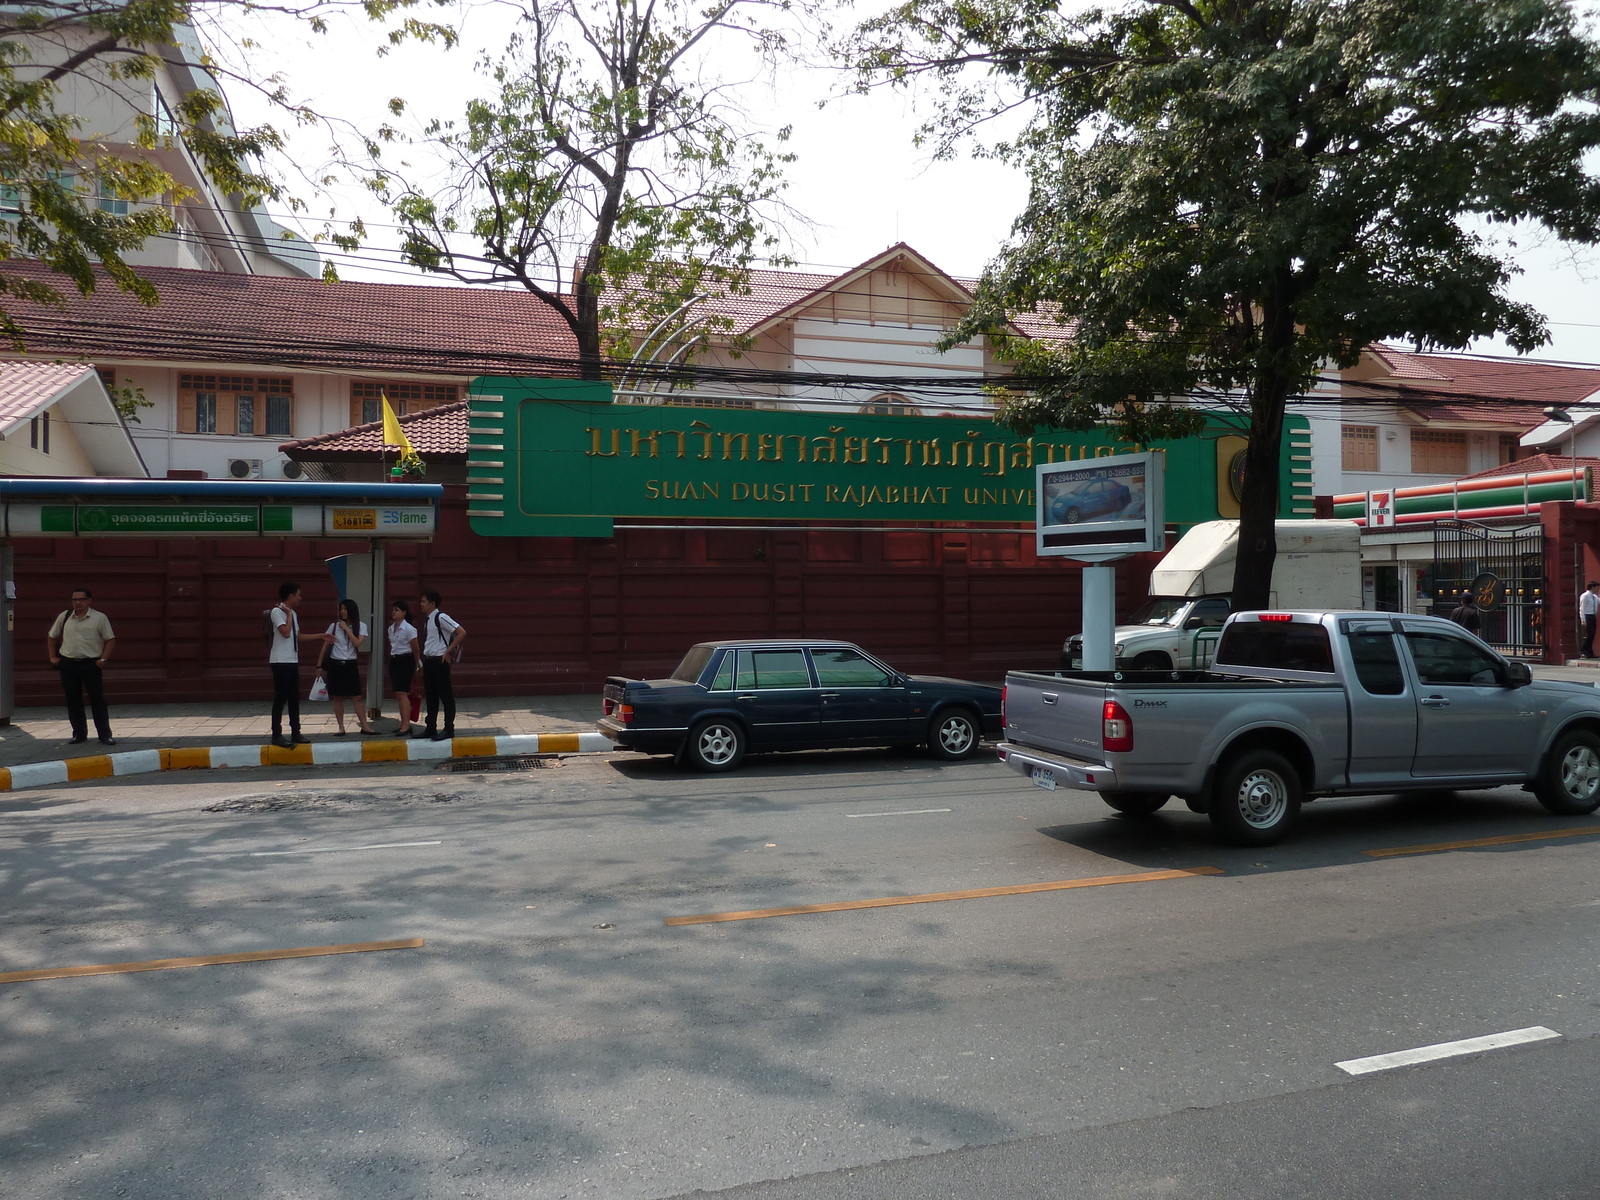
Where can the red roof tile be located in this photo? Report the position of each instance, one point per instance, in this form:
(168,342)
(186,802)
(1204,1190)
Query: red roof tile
(208,316)
(438,434)
(1534,464)
(1444,387)
(26,387)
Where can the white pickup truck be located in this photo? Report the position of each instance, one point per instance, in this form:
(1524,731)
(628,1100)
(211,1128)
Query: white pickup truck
(1305,704)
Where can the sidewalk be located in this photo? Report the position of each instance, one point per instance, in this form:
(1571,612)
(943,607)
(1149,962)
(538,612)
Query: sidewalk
(41,734)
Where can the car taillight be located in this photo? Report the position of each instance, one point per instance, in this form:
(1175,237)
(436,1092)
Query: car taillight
(1116,734)
(625,713)
(1003,723)
(1275,617)
(609,706)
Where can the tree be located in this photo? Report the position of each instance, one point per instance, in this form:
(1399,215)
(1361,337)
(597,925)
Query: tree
(1233,194)
(609,152)
(73,196)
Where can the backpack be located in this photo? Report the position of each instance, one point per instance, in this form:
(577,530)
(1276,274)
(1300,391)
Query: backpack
(451,656)
(268,631)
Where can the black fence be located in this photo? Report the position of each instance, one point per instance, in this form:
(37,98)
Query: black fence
(1504,569)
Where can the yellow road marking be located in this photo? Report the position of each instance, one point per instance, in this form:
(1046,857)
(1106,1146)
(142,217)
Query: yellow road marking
(1506,839)
(558,743)
(472,747)
(1018,889)
(92,766)
(186,758)
(204,960)
(390,751)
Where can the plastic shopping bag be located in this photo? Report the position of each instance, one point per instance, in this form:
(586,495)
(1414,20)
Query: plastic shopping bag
(319,689)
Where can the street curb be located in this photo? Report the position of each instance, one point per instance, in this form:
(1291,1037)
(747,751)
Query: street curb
(314,754)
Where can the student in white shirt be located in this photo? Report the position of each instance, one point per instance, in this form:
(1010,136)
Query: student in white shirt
(1588,607)
(341,667)
(441,642)
(284,660)
(405,659)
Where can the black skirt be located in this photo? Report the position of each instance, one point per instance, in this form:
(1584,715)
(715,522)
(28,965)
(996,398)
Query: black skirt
(344,677)
(401,668)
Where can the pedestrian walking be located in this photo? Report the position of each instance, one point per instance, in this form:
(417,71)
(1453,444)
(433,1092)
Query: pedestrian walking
(441,646)
(405,659)
(284,638)
(80,644)
(1466,613)
(339,665)
(1588,607)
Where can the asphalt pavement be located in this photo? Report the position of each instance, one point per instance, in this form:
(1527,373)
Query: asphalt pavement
(1172,1034)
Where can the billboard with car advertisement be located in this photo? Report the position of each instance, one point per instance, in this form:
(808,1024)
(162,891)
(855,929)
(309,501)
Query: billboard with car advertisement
(1101,508)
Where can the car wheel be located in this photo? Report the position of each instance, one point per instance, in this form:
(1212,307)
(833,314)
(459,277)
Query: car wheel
(1257,798)
(1073,516)
(1152,660)
(715,745)
(1569,780)
(953,735)
(1135,804)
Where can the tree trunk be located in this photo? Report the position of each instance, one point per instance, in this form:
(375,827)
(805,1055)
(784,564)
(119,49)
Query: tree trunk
(1258,507)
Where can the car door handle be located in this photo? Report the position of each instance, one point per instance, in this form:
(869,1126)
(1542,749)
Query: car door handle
(1436,702)
(1049,697)
(830,695)
(751,696)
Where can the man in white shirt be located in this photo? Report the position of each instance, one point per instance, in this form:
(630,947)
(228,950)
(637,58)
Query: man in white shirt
(85,642)
(284,661)
(441,641)
(1588,607)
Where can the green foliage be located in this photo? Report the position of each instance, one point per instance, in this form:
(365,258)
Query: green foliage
(1231,194)
(75,196)
(604,150)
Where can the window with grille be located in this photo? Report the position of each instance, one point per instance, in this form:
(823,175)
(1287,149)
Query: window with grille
(1360,447)
(1438,452)
(404,397)
(243,405)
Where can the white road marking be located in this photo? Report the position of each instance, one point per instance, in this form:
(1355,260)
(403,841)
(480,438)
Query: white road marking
(340,849)
(1422,1054)
(905,812)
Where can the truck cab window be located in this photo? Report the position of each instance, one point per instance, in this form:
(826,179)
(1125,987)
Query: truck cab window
(1289,647)
(1441,658)
(1377,663)
(1207,614)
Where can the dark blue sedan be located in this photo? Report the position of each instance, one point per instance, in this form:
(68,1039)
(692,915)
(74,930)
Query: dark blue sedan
(729,698)
(1091,500)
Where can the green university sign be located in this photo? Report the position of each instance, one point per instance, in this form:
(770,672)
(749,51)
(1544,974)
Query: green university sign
(556,458)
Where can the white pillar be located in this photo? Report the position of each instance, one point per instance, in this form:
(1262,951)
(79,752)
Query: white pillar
(1099,617)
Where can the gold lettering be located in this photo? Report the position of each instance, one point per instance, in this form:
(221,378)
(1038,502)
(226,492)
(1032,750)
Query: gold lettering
(892,495)
(711,491)
(970,495)
(906,442)
(832,444)
(707,435)
(856,446)
(689,493)
(741,491)
(933,458)
(744,446)
(769,447)
(831,495)
(594,450)
(1000,458)
(677,433)
(1022,453)
(806,488)
(885,443)
(875,497)
(759,491)
(799,449)
(944,493)
(639,435)
(1104,451)
(652,489)
(957,447)
(1047,452)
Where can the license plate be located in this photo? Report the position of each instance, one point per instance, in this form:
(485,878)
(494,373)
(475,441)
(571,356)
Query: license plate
(1045,778)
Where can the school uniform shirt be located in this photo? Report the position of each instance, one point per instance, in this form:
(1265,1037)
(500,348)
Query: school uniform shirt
(85,638)
(343,648)
(285,649)
(440,630)
(401,635)
(1588,603)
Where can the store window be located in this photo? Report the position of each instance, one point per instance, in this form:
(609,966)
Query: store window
(1438,452)
(404,397)
(1360,447)
(237,405)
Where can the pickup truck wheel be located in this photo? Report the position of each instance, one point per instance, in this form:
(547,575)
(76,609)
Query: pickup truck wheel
(1257,798)
(714,745)
(1135,804)
(1569,780)
(953,735)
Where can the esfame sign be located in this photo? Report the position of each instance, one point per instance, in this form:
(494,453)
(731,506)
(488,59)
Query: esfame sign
(556,458)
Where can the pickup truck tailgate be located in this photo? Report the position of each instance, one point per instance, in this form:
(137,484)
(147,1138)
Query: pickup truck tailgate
(1061,714)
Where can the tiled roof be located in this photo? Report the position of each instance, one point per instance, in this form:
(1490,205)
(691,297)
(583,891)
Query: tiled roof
(1444,387)
(26,387)
(208,316)
(1534,464)
(438,434)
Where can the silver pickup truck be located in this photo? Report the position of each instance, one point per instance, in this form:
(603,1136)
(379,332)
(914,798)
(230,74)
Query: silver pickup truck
(1299,705)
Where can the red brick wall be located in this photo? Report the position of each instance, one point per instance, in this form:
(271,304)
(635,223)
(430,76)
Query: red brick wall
(559,614)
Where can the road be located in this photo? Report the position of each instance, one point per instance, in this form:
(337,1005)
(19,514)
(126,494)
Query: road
(556,1037)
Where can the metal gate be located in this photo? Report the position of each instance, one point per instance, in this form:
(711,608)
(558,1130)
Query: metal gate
(1504,569)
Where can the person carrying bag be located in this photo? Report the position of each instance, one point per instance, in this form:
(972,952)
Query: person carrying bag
(441,646)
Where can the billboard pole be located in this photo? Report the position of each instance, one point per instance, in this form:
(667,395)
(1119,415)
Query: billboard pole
(1099,617)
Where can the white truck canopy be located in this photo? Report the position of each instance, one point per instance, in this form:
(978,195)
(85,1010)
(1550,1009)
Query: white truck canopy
(1320,558)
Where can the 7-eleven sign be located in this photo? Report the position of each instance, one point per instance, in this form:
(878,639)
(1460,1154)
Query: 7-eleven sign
(1380,510)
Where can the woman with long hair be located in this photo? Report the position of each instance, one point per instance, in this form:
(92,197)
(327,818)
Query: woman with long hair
(347,635)
(404,658)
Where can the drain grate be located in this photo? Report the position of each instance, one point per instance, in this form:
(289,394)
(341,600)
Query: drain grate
(507,762)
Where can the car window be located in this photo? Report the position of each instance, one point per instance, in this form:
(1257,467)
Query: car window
(773,669)
(1297,646)
(693,664)
(1441,658)
(724,679)
(1210,612)
(846,668)
(1377,662)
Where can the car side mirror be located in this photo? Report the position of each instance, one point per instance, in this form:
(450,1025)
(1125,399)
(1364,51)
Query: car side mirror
(1194,623)
(1518,675)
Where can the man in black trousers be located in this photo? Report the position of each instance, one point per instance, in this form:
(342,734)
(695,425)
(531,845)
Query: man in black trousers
(80,643)
(441,646)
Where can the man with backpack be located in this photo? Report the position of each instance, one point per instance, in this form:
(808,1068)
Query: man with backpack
(282,631)
(441,646)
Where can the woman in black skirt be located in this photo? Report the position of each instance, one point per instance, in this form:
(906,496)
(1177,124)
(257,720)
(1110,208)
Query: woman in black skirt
(404,659)
(348,634)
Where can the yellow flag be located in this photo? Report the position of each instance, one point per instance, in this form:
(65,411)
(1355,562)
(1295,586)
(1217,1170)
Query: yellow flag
(393,435)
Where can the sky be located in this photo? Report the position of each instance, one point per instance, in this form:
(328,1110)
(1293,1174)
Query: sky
(859,183)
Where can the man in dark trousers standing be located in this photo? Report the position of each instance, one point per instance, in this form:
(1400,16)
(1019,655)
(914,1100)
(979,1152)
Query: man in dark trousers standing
(1466,613)
(283,658)
(1588,607)
(80,644)
(441,646)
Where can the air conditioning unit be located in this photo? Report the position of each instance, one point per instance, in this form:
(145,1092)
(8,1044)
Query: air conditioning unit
(293,470)
(244,468)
